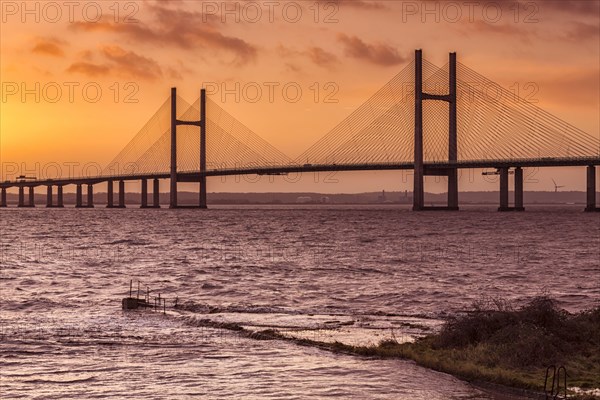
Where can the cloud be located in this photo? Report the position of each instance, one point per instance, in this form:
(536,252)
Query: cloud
(119,62)
(583,7)
(132,64)
(49,46)
(582,31)
(535,9)
(184,29)
(89,69)
(293,68)
(378,53)
(577,32)
(359,4)
(315,54)
(287,52)
(172,73)
(484,28)
(321,57)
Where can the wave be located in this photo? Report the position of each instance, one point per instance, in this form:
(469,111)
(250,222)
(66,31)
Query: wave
(133,242)
(61,382)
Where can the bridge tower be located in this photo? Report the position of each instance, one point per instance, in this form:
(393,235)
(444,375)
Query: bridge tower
(202,125)
(419,169)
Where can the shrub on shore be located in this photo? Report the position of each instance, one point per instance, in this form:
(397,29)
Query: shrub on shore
(498,343)
(538,334)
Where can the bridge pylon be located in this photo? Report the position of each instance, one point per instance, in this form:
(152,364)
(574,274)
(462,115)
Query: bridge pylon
(419,169)
(202,125)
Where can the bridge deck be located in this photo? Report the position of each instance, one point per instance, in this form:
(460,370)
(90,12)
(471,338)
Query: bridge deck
(194,176)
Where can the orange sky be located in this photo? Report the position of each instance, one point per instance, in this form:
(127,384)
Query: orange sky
(141,49)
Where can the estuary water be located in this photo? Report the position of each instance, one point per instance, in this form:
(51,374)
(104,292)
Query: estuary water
(355,274)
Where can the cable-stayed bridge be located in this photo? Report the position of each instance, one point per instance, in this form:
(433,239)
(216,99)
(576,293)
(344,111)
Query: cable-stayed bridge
(429,119)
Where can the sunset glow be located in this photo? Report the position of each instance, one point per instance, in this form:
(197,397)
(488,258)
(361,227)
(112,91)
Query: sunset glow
(80,79)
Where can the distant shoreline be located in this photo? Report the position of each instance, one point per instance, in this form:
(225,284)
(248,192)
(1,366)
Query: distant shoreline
(532,198)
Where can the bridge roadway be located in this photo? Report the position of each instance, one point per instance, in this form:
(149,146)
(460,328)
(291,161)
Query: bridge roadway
(431,168)
(193,176)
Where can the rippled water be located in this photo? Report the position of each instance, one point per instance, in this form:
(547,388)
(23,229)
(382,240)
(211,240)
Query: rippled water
(352,274)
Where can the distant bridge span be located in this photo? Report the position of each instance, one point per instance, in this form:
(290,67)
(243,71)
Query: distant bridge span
(195,176)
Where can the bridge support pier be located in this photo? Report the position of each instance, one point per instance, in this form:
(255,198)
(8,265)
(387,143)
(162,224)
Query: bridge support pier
(49,196)
(503,189)
(451,174)
(31,196)
(203,193)
(156,193)
(79,196)
(90,196)
(591,189)
(453,189)
(504,203)
(3,197)
(21,197)
(59,197)
(144,199)
(110,194)
(519,189)
(121,194)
